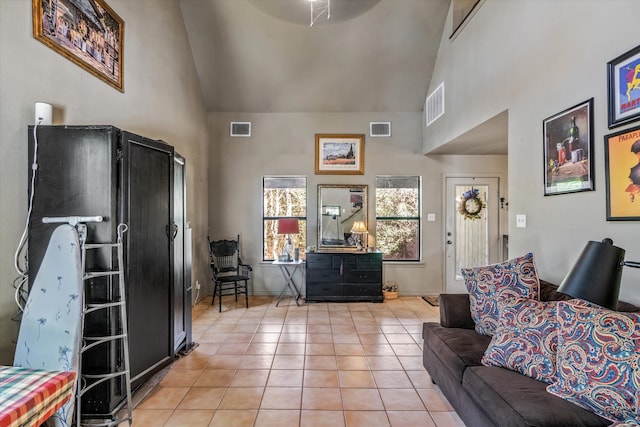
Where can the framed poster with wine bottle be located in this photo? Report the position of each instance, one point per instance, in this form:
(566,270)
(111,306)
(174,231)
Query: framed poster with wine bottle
(568,150)
(623,76)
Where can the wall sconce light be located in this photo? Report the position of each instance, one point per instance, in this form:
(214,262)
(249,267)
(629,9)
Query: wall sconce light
(43,114)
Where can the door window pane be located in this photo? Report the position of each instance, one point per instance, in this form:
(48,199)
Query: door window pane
(472,234)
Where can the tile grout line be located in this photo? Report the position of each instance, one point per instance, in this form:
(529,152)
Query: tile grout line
(401,320)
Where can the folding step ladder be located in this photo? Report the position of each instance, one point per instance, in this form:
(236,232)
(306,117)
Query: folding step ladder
(88,381)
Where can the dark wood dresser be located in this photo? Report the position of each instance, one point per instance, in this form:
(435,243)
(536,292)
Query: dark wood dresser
(344,276)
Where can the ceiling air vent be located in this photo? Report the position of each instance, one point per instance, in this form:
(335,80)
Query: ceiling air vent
(380,129)
(434,106)
(240,129)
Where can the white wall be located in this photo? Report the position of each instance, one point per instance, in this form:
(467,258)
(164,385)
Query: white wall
(284,144)
(162,100)
(536,58)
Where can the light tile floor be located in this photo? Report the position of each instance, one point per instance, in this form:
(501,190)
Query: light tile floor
(323,364)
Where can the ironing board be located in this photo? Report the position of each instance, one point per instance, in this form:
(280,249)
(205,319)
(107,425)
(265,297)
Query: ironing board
(50,330)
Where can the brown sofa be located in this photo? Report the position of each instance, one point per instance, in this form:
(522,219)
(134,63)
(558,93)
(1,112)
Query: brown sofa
(488,395)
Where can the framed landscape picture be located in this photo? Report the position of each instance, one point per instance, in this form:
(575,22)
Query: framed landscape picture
(568,150)
(88,33)
(622,171)
(340,154)
(623,75)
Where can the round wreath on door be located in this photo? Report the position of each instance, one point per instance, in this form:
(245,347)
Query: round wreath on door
(471,204)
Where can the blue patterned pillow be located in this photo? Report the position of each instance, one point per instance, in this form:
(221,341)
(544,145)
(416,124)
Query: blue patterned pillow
(526,339)
(598,356)
(498,282)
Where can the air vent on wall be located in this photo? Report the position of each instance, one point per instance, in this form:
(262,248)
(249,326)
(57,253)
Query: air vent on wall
(240,129)
(380,129)
(434,106)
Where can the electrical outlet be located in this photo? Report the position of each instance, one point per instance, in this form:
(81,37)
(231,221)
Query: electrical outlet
(521,221)
(197,285)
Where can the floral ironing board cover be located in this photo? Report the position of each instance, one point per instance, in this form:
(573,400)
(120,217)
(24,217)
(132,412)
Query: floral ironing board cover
(50,329)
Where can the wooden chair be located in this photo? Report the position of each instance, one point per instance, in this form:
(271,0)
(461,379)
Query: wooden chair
(229,274)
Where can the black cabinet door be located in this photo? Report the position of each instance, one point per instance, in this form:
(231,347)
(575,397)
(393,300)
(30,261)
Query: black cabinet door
(76,175)
(148,200)
(181,304)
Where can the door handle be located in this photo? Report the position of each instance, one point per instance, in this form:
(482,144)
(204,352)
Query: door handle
(449,242)
(172,231)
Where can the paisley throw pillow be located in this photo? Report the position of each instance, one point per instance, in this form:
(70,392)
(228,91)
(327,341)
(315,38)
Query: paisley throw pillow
(498,282)
(598,357)
(526,339)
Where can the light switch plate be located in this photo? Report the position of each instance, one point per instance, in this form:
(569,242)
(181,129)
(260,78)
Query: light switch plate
(521,221)
(431,217)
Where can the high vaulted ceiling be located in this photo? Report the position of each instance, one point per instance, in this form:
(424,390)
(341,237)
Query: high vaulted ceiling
(262,55)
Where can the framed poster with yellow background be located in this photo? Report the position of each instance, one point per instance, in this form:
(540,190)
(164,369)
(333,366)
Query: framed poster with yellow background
(622,170)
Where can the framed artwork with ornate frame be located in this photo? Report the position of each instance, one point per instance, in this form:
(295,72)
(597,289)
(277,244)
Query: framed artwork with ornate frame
(88,33)
(622,172)
(568,150)
(339,154)
(623,75)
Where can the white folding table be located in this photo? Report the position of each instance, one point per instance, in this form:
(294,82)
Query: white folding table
(289,270)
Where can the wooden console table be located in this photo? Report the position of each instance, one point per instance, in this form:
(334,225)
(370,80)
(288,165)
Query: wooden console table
(344,276)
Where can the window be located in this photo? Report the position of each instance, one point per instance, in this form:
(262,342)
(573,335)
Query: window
(463,10)
(398,217)
(283,197)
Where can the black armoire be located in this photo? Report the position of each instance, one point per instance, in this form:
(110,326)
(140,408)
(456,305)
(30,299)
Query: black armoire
(126,178)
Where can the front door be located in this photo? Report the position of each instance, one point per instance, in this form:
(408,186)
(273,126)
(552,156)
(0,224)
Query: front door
(471,226)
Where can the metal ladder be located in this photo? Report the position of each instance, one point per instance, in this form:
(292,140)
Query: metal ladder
(88,381)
